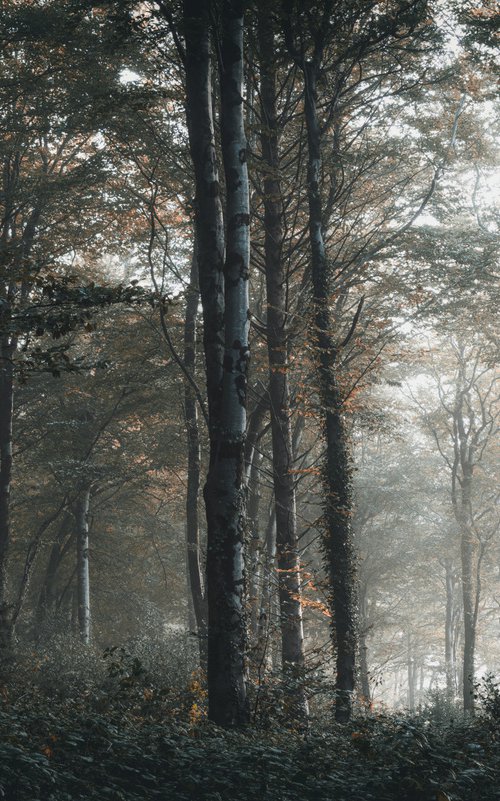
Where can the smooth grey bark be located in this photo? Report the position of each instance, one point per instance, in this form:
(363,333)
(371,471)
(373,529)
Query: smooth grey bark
(267,592)
(256,429)
(82,561)
(254,542)
(225,488)
(195,571)
(287,555)
(468,547)
(449,632)
(209,221)
(410,674)
(224,294)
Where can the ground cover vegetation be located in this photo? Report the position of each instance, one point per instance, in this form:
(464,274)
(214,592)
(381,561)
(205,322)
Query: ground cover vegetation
(249,406)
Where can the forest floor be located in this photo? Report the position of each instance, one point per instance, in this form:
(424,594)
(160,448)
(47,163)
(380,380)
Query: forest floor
(128,741)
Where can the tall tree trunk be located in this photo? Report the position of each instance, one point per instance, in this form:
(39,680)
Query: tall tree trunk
(254,549)
(363,651)
(195,572)
(337,539)
(410,674)
(449,633)
(461,496)
(363,670)
(225,488)
(6,414)
(467,552)
(457,633)
(224,294)
(266,599)
(292,637)
(82,572)
(253,459)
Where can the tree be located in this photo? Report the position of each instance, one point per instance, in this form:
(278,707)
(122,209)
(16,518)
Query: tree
(341,39)
(278,349)
(82,564)
(194,563)
(223,272)
(469,421)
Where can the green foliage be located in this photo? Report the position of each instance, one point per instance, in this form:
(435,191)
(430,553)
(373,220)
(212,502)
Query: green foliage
(439,708)
(488,694)
(63,306)
(118,727)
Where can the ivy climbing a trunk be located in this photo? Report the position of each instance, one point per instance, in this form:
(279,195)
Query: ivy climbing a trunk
(287,556)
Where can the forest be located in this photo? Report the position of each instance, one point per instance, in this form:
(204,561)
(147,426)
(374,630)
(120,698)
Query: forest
(249,400)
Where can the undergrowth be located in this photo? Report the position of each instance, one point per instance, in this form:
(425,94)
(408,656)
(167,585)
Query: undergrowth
(125,731)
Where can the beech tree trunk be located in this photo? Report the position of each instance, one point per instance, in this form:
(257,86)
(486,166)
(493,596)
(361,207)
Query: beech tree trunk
(82,571)
(449,631)
(468,551)
(337,540)
(287,556)
(266,598)
(465,438)
(411,674)
(254,549)
(195,571)
(253,461)
(224,294)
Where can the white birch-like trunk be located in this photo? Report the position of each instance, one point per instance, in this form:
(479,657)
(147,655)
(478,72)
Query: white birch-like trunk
(82,572)
(225,488)
(224,295)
